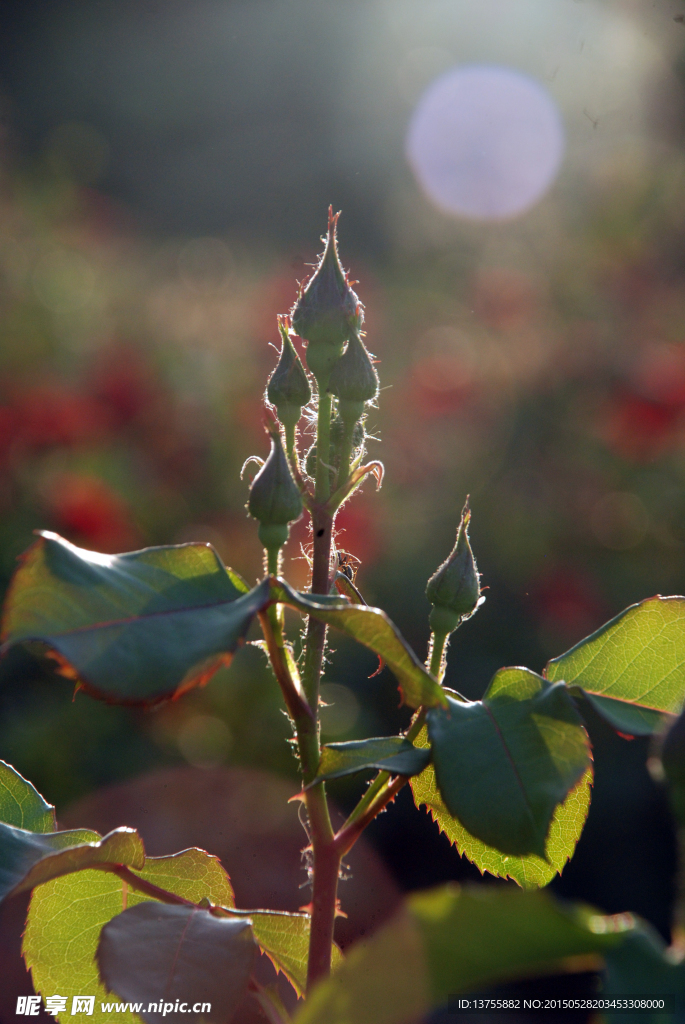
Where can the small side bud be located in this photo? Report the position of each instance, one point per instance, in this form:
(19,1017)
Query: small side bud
(327,311)
(454,590)
(274,497)
(288,388)
(354,380)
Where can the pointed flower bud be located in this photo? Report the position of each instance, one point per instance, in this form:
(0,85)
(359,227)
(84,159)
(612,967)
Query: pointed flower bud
(354,380)
(288,388)
(274,497)
(327,311)
(454,590)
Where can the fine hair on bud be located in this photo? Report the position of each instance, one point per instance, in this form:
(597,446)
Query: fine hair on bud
(288,388)
(275,500)
(354,379)
(327,311)
(454,589)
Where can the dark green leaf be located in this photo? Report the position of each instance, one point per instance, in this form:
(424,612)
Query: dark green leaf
(134,628)
(66,915)
(388,753)
(155,953)
(531,871)
(449,940)
(28,859)
(629,719)
(639,967)
(371,627)
(503,764)
(21,804)
(637,657)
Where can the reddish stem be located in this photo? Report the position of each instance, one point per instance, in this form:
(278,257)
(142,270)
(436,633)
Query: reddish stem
(349,834)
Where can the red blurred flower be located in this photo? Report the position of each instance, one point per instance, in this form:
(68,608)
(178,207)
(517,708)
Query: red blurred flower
(90,513)
(50,414)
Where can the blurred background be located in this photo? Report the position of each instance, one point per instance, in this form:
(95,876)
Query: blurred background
(512,186)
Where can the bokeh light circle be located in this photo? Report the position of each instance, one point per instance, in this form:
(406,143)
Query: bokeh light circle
(485,142)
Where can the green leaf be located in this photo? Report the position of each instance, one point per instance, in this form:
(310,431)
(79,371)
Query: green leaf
(503,764)
(371,627)
(193,874)
(388,753)
(531,871)
(449,940)
(65,917)
(640,966)
(629,719)
(28,859)
(284,937)
(134,628)
(638,657)
(155,953)
(21,804)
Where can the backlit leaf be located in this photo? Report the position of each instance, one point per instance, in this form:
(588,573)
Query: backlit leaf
(21,804)
(193,874)
(638,657)
(530,871)
(133,628)
(66,915)
(449,940)
(156,954)
(629,719)
(503,764)
(28,859)
(388,753)
(285,940)
(371,627)
(640,966)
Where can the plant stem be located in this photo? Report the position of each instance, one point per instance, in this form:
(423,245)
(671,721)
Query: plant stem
(273,561)
(323,444)
(325,866)
(296,703)
(380,792)
(289,429)
(437,655)
(326,858)
(345,453)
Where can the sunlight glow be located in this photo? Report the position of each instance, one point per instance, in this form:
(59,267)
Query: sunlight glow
(485,142)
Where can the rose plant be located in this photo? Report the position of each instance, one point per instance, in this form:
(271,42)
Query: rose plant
(507,778)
